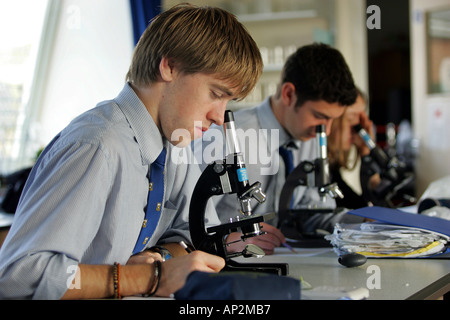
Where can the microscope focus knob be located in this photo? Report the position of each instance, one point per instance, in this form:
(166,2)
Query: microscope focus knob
(255,192)
(259,195)
(308,166)
(219,168)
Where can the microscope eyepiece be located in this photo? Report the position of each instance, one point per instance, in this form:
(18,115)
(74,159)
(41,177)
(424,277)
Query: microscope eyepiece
(229,117)
(232,143)
(320,128)
(357,127)
(365,136)
(321,137)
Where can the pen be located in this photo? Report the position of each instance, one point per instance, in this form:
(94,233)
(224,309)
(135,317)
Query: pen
(185,246)
(288,246)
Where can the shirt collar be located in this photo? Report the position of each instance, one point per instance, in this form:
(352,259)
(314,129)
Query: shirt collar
(268,121)
(145,130)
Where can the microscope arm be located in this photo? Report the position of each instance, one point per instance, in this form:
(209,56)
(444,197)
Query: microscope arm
(297,177)
(200,238)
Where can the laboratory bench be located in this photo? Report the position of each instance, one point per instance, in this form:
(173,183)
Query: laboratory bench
(381,278)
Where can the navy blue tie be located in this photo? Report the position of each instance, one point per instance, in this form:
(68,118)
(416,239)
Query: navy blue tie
(154,202)
(287,156)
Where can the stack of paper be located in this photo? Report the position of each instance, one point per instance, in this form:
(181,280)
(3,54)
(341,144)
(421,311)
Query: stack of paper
(386,240)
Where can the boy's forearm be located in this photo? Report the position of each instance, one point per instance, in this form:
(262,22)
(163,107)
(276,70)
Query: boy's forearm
(97,282)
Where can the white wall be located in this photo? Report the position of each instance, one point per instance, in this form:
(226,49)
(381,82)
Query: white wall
(351,38)
(89,60)
(434,134)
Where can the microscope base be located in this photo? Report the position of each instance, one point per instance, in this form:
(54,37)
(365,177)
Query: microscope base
(297,240)
(281,269)
(296,235)
(310,243)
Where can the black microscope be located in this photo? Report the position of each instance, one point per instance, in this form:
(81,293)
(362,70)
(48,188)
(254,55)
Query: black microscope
(312,174)
(229,176)
(392,171)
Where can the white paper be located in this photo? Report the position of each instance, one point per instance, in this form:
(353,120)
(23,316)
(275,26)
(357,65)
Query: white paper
(385,240)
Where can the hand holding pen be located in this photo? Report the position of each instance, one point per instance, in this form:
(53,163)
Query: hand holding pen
(185,247)
(289,247)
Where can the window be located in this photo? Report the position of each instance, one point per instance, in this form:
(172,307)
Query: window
(21,25)
(438,38)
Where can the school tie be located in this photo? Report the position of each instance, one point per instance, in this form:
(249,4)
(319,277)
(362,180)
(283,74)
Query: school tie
(154,202)
(287,156)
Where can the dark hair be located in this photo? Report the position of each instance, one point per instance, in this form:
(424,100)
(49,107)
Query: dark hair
(319,72)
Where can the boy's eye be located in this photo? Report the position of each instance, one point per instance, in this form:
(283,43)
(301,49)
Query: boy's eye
(320,116)
(216,95)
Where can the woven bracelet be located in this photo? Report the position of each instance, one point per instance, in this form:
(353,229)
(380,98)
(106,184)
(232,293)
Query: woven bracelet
(116,282)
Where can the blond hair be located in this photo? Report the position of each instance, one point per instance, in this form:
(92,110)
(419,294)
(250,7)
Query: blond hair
(198,40)
(337,156)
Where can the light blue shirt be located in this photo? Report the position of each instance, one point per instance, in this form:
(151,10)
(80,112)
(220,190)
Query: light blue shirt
(85,199)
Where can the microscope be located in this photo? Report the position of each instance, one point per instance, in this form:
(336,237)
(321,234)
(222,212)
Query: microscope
(312,174)
(229,176)
(392,172)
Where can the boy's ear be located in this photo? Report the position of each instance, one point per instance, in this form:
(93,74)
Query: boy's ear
(288,95)
(166,69)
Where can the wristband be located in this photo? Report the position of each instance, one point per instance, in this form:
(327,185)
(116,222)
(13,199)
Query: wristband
(116,282)
(157,279)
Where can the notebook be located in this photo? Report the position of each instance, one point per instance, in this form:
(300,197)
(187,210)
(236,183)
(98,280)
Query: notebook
(399,217)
